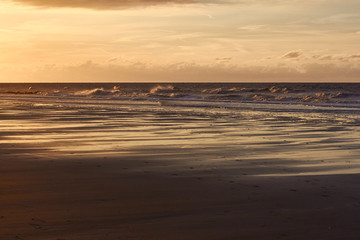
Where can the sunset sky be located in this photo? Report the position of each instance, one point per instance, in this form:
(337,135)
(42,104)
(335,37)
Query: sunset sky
(179,40)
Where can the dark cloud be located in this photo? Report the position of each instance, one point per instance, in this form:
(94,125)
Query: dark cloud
(327,57)
(355,56)
(100,4)
(337,57)
(225,59)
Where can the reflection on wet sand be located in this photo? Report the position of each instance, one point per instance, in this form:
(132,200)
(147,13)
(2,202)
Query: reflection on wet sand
(159,172)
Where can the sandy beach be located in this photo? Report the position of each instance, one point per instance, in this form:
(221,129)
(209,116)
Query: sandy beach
(105,199)
(179,120)
(85,200)
(157,172)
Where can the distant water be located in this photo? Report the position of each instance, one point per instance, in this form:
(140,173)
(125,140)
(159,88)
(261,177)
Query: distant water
(289,97)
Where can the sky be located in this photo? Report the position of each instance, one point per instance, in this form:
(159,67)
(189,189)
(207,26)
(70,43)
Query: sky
(179,40)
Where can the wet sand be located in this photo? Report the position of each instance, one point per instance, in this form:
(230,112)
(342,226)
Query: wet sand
(106,199)
(80,174)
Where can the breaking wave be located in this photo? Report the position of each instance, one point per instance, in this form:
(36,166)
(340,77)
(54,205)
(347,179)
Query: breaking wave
(163,89)
(98,92)
(231,95)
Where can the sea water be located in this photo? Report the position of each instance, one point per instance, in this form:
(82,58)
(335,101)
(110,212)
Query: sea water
(339,97)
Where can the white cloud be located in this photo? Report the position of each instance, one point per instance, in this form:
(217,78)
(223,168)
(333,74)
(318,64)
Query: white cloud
(251,27)
(292,54)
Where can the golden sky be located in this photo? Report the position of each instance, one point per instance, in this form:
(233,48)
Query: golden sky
(179,40)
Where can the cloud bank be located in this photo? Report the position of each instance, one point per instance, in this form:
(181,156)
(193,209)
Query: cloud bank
(100,4)
(123,4)
(188,72)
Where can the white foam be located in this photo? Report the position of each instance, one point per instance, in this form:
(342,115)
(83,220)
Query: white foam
(98,92)
(163,89)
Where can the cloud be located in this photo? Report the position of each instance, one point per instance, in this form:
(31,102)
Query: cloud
(292,54)
(224,59)
(100,4)
(251,27)
(355,56)
(123,4)
(187,72)
(113,60)
(338,57)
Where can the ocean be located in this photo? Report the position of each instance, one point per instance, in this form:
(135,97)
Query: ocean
(320,97)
